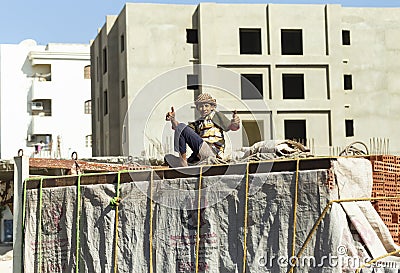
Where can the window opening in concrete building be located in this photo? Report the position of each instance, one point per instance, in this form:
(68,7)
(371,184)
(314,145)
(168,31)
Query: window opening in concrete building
(349,127)
(41,107)
(292,41)
(348,82)
(192,82)
(124,134)
(296,130)
(97,68)
(192,36)
(88,107)
(251,86)
(250,40)
(42,72)
(345,37)
(97,105)
(88,141)
(86,72)
(8,230)
(123,90)
(122,42)
(42,143)
(105,105)
(293,86)
(104,60)
(253,132)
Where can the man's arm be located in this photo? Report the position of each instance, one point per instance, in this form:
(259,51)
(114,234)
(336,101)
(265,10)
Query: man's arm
(225,124)
(170,116)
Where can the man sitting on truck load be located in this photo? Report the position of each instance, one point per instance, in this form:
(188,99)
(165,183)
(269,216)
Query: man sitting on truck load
(205,136)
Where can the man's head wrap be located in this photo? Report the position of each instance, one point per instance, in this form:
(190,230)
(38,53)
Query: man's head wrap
(205,98)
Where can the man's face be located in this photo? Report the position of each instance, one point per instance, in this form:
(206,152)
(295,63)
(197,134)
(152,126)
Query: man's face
(205,108)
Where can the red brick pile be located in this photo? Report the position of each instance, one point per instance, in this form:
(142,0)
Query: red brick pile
(386,183)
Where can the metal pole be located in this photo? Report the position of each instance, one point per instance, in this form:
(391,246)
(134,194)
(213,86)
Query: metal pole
(21,172)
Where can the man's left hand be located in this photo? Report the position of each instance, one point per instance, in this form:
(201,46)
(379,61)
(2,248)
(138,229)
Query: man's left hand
(235,121)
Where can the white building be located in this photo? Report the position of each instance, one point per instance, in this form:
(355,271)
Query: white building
(325,74)
(45,106)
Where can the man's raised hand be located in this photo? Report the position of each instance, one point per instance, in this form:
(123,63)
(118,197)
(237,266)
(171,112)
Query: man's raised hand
(170,115)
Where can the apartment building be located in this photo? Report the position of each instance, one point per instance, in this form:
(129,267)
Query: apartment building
(45,103)
(326,75)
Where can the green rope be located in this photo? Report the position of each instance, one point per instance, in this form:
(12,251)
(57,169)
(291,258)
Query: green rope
(78,208)
(114,202)
(40,224)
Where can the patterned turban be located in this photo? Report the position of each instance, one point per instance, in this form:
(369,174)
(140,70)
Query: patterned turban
(205,98)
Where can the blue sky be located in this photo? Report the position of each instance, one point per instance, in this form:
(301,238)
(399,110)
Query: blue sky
(77,21)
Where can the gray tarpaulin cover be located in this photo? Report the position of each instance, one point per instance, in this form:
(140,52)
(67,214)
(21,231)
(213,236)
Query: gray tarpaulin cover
(51,243)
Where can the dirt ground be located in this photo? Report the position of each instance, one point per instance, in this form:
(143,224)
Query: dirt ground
(6,255)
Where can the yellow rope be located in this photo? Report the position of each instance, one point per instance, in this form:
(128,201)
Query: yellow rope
(245,218)
(295,207)
(377,259)
(116,224)
(78,215)
(151,221)
(317,223)
(40,265)
(198,220)
(325,211)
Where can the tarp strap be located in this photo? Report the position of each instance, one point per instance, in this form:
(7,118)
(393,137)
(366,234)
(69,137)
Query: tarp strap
(78,212)
(322,216)
(23,226)
(151,221)
(296,190)
(115,202)
(377,259)
(198,219)
(40,225)
(246,218)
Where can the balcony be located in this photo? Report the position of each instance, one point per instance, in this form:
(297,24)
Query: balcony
(42,89)
(41,125)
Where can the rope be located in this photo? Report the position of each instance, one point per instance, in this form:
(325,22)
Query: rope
(377,259)
(295,207)
(325,211)
(23,225)
(245,218)
(115,202)
(78,208)
(198,220)
(40,224)
(352,150)
(313,230)
(151,221)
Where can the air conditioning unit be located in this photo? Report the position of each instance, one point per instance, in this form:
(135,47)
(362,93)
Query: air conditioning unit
(31,138)
(37,105)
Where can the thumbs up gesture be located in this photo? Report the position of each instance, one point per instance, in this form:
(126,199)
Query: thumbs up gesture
(235,121)
(170,115)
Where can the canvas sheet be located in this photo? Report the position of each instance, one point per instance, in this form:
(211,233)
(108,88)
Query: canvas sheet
(163,234)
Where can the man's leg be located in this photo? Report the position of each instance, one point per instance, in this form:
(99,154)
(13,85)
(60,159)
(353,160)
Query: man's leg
(185,135)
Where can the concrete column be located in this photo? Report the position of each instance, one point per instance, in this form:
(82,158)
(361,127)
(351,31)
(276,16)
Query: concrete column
(21,172)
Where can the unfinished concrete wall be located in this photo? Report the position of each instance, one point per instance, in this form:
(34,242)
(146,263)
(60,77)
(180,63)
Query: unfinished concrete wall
(155,37)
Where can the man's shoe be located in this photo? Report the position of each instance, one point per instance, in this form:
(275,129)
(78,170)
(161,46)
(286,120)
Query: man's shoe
(175,161)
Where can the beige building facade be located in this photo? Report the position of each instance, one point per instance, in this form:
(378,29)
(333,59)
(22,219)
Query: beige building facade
(325,75)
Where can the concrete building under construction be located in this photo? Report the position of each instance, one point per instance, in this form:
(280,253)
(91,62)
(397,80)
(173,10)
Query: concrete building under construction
(324,74)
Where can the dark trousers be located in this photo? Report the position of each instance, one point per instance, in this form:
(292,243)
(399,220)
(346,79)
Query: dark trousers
(185,135)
